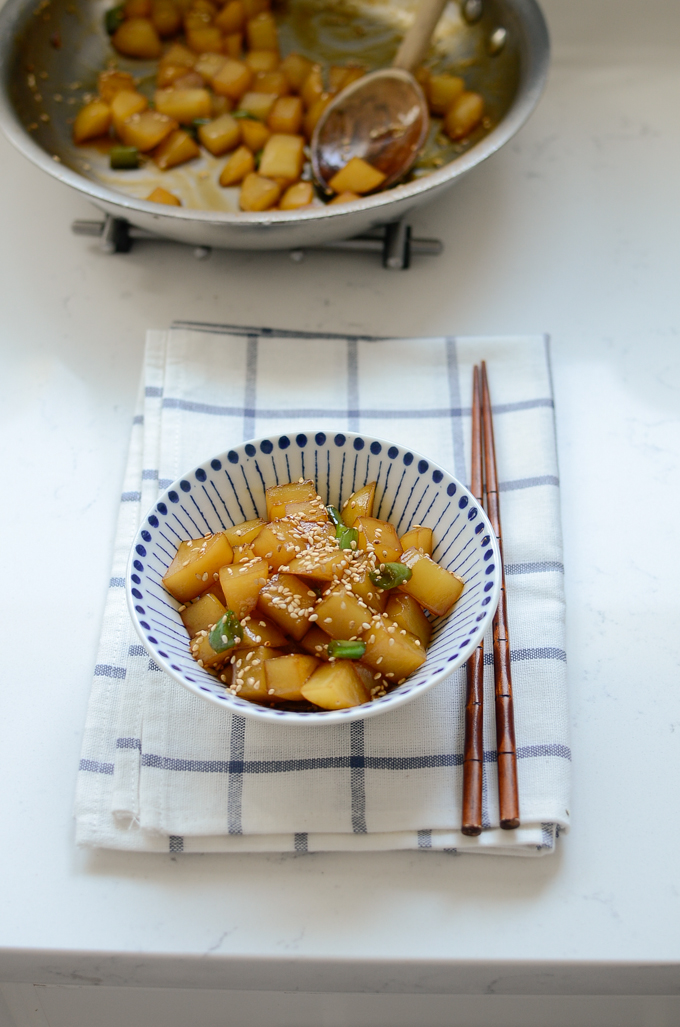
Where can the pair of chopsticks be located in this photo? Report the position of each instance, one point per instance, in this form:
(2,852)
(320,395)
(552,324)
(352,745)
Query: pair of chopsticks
(484,487)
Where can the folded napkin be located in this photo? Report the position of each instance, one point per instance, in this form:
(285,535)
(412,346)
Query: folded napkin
(162,770)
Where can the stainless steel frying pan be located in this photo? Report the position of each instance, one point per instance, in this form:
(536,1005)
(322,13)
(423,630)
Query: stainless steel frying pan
(52,50)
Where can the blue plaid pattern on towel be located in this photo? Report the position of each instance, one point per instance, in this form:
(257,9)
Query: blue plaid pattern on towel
(163,771)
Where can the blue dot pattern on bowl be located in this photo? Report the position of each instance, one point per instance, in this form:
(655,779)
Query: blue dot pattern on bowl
(230,489)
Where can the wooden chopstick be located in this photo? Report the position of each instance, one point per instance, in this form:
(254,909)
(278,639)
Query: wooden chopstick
(508,796)
(473,757)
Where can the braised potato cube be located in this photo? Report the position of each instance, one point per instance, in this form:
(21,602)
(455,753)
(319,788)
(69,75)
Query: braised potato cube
(166,18)
(312,88)
(203,652)
(249,681)
(240,164)
(272,82)
(356,577)
(168,74)
(408,614)
(137,8)
(161,195)
(208,65)
(197,560)
(314,113)
(277,496)
(231,18)
(179,54)
(206,39)
(432,586)
(346,197)
(184,105)
(241,584)
(342,615)
(137,38)
(124,105)
(286,115)
(220,105)
(341,77)
(464,115)
(261,32)
(320,564)
(258,193)
(296,69)
(191,80)
(258,105)
(283,157)
(443,90)
(296,196)
(111,82)
(202,614)
(259,630)
(254,134)
(287,600)
(357,176)
(359,504)
(220,135)
(263,60)
(388,650)
(146,130)
(254,7)
(418,538)
(379,537)
(278,543)
(246,531)
(242,554)
(306,510)
(233,45)
(204,7)
(92,120)
(176,149)
(286,675)
(233,79)
(336,686)
(315,641)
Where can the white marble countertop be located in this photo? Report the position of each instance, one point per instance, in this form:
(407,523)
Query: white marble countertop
(573,229)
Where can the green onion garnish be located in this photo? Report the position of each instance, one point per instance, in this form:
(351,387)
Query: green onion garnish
(343,650)
(346,536)
(226,633)
(334,515)
(390,575)
(114,18)
(124,158)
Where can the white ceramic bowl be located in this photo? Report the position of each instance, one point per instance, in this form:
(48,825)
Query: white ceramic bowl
(230,488)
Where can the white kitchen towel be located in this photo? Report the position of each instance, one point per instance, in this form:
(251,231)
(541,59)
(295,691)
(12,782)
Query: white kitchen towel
(162,770)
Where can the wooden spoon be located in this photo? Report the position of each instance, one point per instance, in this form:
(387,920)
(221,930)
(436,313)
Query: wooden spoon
(382,117)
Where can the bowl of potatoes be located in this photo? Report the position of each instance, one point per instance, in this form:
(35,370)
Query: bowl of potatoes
(313,578)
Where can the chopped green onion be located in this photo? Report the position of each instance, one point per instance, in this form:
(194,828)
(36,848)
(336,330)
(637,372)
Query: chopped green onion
(124,158)
(193,128)
(226,633)
(114,18)
(244,114)
(334,515)
(346,536)
(346,650)
(390,575)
